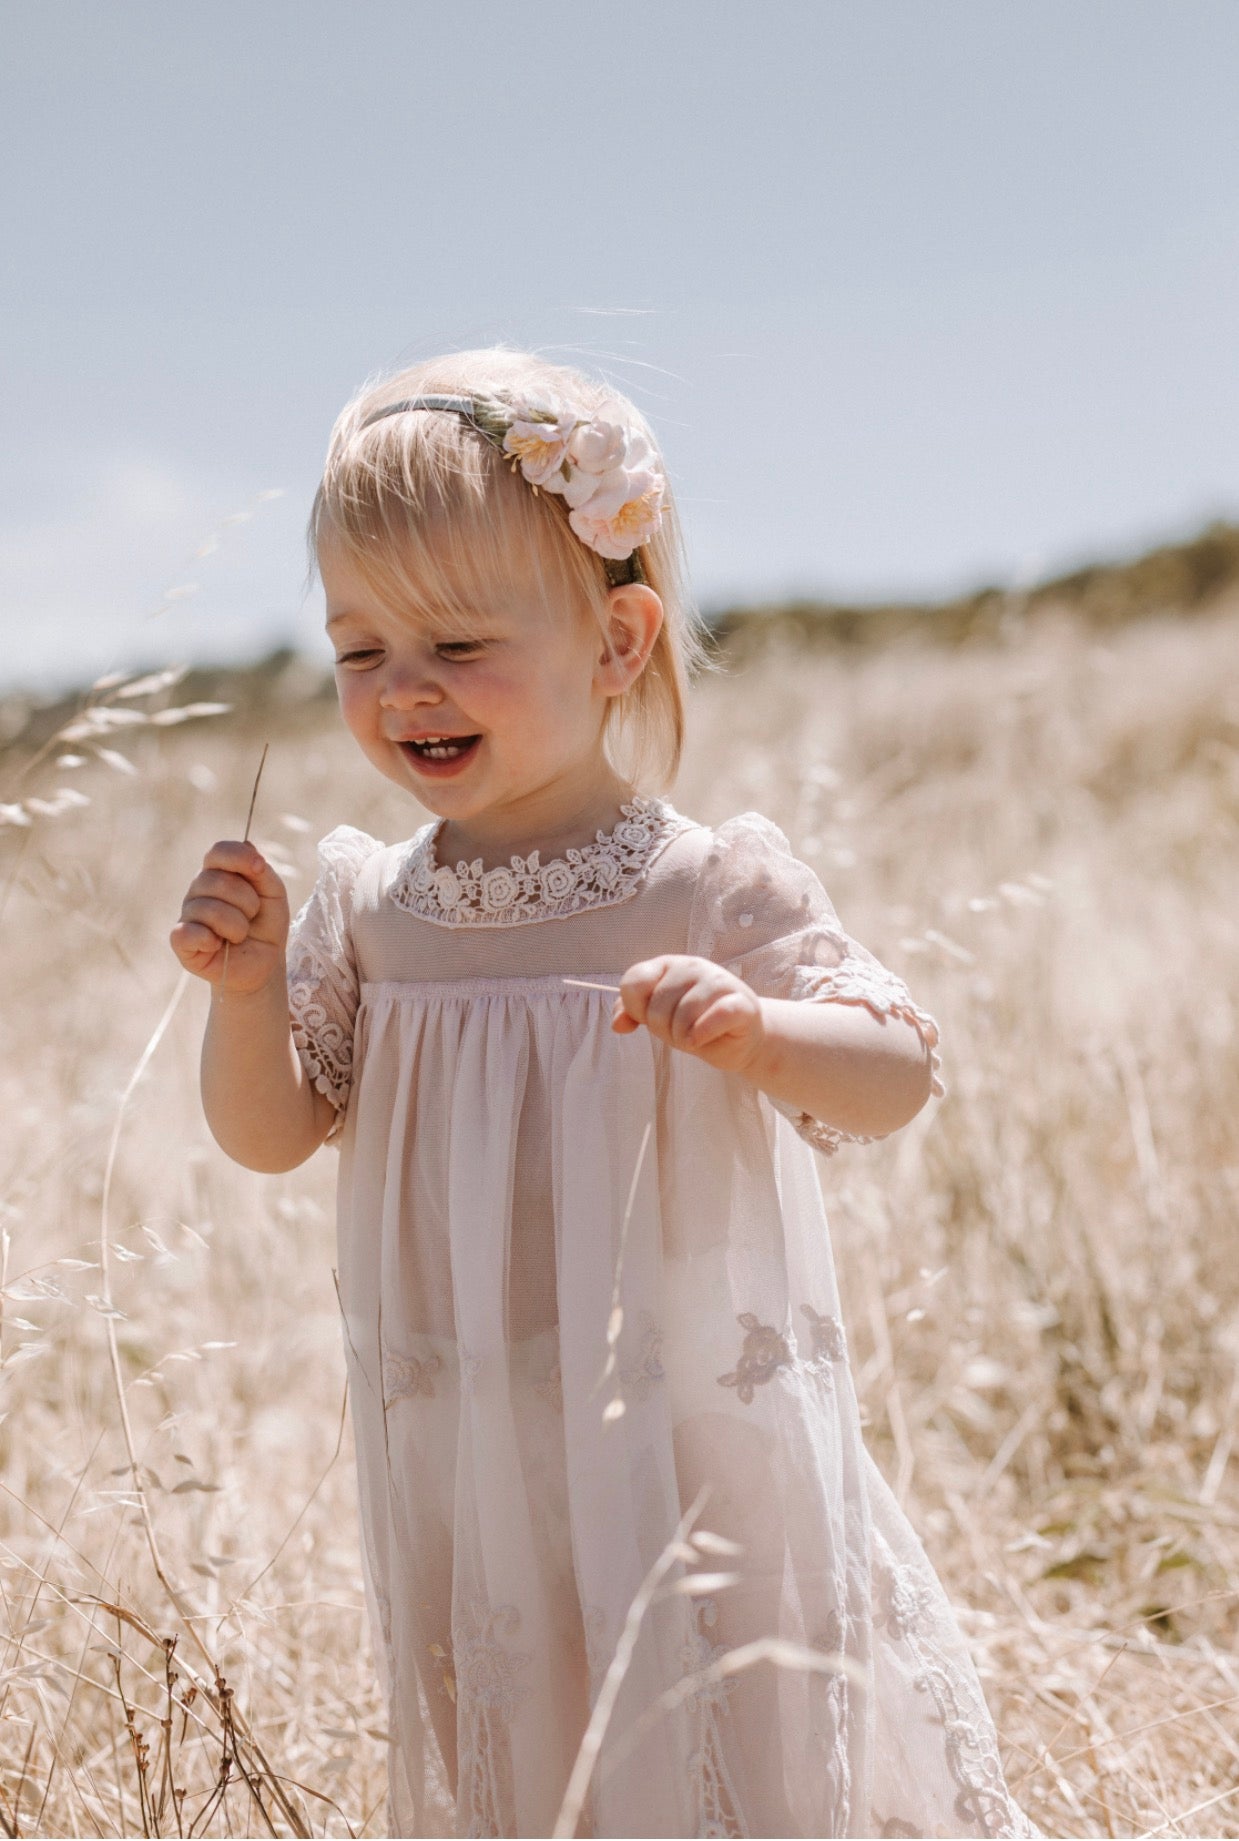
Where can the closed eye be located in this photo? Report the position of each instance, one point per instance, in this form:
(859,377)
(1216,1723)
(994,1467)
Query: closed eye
(452,649)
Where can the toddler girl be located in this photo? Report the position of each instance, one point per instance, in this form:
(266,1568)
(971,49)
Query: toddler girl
(576,1051)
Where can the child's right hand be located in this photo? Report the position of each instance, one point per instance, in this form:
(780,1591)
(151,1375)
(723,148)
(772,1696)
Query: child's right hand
(236,899)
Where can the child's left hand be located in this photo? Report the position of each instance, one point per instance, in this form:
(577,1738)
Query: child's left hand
(694,1005)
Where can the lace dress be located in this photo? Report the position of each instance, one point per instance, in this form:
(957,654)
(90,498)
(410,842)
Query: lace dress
(511,1172)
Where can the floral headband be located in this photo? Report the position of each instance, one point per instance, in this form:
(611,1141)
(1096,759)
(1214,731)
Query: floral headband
(607,472)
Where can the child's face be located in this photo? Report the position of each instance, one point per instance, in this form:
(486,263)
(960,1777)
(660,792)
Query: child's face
(473,724)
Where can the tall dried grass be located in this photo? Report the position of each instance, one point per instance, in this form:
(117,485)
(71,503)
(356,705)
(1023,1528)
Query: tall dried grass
(1041,1279)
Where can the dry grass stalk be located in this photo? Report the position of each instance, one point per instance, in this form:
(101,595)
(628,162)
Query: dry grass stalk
(604,1706)
(245,838)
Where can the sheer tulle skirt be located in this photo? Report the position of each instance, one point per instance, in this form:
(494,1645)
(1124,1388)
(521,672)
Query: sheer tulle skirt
(517,1485)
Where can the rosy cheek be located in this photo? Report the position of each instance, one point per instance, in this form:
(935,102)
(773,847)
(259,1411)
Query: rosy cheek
(483,693)
(354,703)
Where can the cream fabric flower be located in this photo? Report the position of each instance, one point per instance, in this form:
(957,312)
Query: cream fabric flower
(598,446)
(629,474)
(540,442)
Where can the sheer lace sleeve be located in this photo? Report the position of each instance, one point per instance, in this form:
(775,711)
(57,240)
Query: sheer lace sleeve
(322,971)
(764,915)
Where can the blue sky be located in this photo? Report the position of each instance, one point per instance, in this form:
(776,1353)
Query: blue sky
(920,293)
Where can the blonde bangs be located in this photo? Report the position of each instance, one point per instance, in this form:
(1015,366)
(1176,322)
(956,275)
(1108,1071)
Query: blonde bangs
(434,522)
(438,525)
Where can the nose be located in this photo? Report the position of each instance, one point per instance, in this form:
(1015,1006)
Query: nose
(407,683)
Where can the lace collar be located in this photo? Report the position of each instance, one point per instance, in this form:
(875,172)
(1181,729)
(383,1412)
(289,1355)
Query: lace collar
(597,876)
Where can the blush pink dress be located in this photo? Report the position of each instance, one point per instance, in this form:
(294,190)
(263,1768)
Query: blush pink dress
(511,1172)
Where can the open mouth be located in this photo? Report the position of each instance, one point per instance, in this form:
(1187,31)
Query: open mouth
(441,753)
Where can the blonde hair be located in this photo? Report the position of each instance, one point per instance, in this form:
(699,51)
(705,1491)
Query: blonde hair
(429,514)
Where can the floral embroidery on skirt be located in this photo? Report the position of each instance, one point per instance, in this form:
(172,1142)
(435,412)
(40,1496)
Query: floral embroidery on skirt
(764,1352)
(826,1338)
(404,1376)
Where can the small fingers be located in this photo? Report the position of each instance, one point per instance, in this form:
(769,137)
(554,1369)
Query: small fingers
(244,859)
(682,997)
(637,985)
(674,1006)
(219,917)
(669,995)
(194,945)
(621,1022)
(717,1018)
(223,885)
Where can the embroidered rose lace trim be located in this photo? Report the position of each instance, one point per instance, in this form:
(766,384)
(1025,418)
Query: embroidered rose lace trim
(489,1688)
(860,980)
(903,1612)
(718,1806)
(325,1047)
(598,875)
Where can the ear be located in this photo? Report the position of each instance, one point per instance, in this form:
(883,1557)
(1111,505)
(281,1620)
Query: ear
(633,621)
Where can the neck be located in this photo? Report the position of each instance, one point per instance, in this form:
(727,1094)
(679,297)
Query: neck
(551,819)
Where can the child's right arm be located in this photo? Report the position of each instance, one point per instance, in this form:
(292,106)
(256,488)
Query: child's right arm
(259,1101)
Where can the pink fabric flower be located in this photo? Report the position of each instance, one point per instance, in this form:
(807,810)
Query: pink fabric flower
(607,472)
(622,516)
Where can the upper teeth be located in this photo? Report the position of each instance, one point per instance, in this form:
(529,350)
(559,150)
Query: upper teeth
(442,744)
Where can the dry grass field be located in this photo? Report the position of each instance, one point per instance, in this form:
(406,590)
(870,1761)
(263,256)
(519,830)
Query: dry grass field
(1042,834)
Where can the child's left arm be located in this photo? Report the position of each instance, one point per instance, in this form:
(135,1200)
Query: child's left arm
(863,1074)
(771,987)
